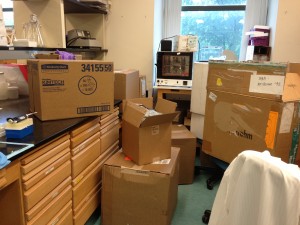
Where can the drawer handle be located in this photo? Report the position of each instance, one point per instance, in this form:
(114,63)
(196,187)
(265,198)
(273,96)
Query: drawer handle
(50,170)
(3,182)
(54,194)
(55,221)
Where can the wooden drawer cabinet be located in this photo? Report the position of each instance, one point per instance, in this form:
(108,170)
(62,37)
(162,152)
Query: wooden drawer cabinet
(64,217)
(84,127)
(49,213)
(43,154)
(49,167)
(9,174)
(105,120)
(84,144)
(84,158)
(90,203)
(11,210)
(89,178)
(45,186)
(47,199)
(84,134)
(109,138)
(87,183)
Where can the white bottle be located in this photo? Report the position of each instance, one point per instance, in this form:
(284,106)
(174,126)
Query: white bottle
(3,87)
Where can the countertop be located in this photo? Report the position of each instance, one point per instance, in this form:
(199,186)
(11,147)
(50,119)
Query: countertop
(43,131)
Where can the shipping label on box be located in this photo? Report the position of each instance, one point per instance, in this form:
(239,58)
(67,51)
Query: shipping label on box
(265,80)
(60,89)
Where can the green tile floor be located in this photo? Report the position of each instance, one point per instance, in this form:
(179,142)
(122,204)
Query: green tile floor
(193,200)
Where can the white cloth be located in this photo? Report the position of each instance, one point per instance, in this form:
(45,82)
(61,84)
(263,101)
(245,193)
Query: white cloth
(258,189)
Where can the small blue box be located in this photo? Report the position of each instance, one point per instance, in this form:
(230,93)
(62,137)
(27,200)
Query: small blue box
(19,133)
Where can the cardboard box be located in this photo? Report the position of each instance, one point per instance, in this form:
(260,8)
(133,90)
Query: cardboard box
(186,141)
(137,195)
(127,84)
(185,43)
(60,89)
(265,80)
(234,123)
(146,139)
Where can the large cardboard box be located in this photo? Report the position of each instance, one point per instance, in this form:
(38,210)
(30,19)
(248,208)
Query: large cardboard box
(186,141)
(266,80)
(60,89)
(136,195)
(127,84)
(147,138)
(234,123)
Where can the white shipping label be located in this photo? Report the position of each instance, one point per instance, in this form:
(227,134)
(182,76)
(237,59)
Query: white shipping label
(164,161)
(155,130)
(266,84)
(135,171)
(286,118)
(213,96)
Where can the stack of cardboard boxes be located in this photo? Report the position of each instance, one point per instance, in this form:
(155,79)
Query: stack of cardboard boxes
(140,183)
(251,106)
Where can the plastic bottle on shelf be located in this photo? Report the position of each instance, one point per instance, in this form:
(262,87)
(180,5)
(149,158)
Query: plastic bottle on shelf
(3,87)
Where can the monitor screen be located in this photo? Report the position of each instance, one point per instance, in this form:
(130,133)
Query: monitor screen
(174,65)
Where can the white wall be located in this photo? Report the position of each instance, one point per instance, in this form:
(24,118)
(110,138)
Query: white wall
(283,19)
(132,31)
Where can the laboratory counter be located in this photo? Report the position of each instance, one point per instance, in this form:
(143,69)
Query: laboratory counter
(43,131)
(53,175)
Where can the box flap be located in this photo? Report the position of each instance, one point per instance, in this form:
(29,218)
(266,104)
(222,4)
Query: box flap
(164,166)
(133,113)
(165,106)
(291,90)
(159,119)
(147,102)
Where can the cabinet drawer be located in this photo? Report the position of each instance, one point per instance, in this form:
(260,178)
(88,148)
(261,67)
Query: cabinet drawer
(87,198)
(105,121)
(47,199)
(90,180)
(48,153)
(9,174)
(45,186)
(64,217)
(88,208)
(84,127)
(50,166)
(113,123)
(85,157)
(87,184)
(84,135)
(109,138)
(45,149)
(50,212)
(84,144)
(40,173)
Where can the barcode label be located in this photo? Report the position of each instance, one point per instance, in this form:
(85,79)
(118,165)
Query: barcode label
(92,109)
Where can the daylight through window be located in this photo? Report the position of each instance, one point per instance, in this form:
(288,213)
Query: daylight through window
(217,23)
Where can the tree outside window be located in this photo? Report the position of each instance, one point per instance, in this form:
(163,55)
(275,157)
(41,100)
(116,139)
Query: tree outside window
(217,23)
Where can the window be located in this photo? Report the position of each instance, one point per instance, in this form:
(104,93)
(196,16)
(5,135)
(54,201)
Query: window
(8,16)
(217,23)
